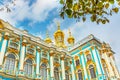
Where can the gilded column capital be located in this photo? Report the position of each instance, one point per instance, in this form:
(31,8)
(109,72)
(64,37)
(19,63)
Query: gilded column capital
(52,53)
(39,50)
(24,44)
(92,47)
(76,57)
(70,62)
(62,57)
(6,37)
(81,53)
(87,52)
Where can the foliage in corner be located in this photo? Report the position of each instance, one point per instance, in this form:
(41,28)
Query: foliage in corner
(5,5)
(97,10)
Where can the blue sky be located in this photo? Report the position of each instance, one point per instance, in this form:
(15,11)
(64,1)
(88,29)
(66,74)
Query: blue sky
(37,16)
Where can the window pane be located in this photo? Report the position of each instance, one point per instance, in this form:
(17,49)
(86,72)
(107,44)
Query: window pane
(10,63)
(28,67)
(92,71)
(43,71)
(80,75)
(56,73)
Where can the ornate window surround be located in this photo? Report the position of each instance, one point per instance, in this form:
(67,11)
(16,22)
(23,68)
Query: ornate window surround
(91,67)
(16,58)
(67,75)
(28,67)
(43,70)
(56,73)
(80,72)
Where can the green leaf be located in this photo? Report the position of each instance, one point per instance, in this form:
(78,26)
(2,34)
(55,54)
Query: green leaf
(111,1)
(84,19)
(68,12)
(62,15)
(61,2)
(69,5)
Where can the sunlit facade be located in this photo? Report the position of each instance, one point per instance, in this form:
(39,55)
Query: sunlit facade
(27,57)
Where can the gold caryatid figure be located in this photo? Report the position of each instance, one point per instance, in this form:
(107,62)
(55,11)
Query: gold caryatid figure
(48,40)
(59,37)
(1,25)
(70,39)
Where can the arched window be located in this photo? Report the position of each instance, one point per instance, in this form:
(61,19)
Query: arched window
(9,63)
(28,67)
(67,75)
(88,57)
(56,73)
(92,71)
(43,71)
(80,75)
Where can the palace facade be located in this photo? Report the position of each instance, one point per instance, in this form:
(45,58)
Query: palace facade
(27,57)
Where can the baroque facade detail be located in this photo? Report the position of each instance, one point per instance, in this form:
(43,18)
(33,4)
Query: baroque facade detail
(27,57)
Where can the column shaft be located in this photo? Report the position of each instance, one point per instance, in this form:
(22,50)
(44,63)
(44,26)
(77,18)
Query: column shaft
(3,49)
(115,68)
(97,61)
(63,69)
(108,65)
(84,66)
(38,63)
(51,67)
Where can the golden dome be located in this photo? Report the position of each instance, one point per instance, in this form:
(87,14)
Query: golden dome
(48,40)
(58,32)
(59,37)
(70,38)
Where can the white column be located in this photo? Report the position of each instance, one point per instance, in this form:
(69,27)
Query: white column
(107,60)
(72,70)
(38,62)
(98,66)
(22,55)
(3,48)
(51,65)
(63,67)
(84,66)
(114,66)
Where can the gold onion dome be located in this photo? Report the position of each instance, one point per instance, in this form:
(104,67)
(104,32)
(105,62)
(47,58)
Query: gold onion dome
(70,39)
(58,32)
(48,40)
(59,37)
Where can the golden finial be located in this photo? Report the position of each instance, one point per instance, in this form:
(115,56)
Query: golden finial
(47,40)
(69,32)
(47,34)
(58,25)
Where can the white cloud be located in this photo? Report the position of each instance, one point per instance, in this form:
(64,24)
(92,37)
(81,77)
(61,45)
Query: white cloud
(38,11)
(41,9)
(40,35)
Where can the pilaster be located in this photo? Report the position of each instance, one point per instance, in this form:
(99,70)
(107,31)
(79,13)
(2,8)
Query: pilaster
(38,51)
(97,59)
(114,66)
(84,65)
(3,49)
(63,67)
(51,65)
(22,56)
